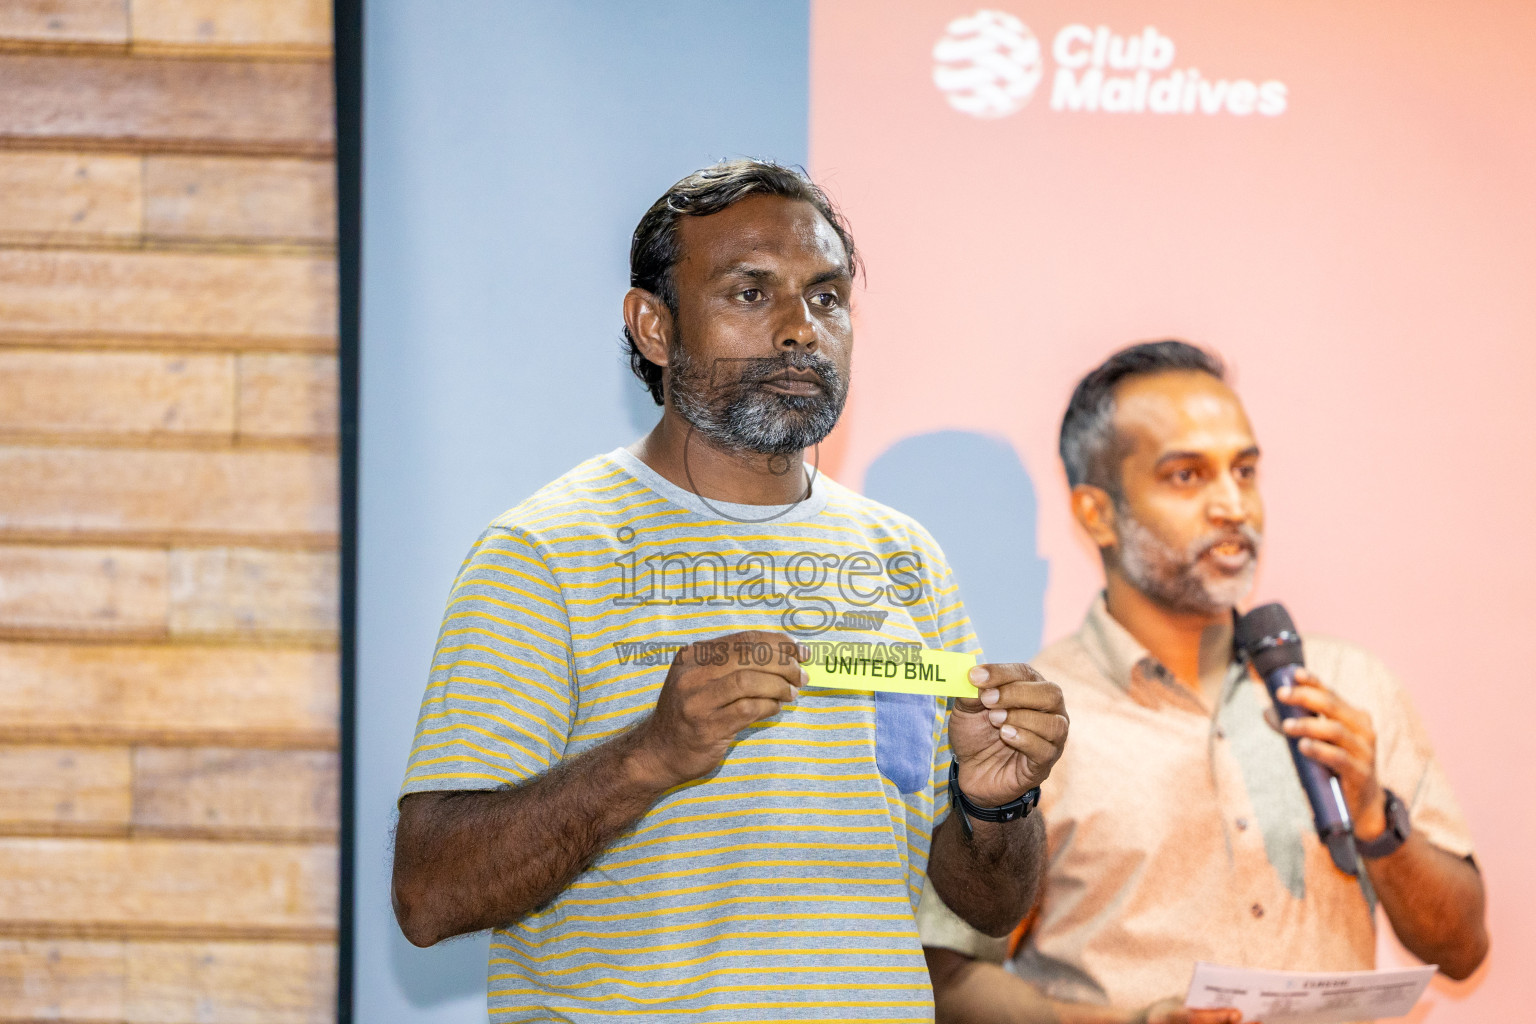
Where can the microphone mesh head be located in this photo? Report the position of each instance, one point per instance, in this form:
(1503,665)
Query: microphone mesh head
(1269,638)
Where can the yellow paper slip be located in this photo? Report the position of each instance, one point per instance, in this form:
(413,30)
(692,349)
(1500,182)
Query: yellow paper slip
(938,674)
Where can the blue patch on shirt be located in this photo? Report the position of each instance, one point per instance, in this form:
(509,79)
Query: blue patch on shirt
(904,739)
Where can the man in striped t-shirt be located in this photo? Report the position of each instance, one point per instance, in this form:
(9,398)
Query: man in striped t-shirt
(619,766)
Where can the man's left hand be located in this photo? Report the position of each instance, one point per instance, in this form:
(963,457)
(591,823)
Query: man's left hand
(1008,737)
(1341,737)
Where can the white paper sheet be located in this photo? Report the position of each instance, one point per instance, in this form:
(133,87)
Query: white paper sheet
(1303,997)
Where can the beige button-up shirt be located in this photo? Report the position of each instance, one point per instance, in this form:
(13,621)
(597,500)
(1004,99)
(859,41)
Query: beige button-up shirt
(1178,832)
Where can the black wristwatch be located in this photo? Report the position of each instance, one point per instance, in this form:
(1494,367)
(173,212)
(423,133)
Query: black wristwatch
(1013,810)
(1393,836)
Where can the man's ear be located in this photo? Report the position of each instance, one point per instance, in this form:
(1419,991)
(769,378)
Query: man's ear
(1094,511)
(650,324)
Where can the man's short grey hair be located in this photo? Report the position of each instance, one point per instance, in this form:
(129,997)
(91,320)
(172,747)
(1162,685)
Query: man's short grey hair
(1088,442)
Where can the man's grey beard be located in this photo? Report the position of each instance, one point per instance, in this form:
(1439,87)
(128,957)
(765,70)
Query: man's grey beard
(1179,580)
(736,412)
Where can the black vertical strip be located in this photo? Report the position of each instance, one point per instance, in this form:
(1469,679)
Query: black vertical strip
(347,17)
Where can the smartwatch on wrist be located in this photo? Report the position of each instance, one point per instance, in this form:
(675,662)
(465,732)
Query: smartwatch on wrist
(1013,810)
(1393,836)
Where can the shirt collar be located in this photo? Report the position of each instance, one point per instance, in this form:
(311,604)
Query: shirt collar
(1127,664)
(717,510)
(1111,645)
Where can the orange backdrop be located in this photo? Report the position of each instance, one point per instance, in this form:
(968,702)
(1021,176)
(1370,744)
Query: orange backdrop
(1363,259)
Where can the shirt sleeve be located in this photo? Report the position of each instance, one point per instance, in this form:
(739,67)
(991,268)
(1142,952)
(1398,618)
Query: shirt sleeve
(951,631)
(1405,759)
(942,928)
(937,925)
(498,704)
(1407,765)
(944,625)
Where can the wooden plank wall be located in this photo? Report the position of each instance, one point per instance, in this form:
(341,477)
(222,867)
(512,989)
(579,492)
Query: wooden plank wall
(168,512)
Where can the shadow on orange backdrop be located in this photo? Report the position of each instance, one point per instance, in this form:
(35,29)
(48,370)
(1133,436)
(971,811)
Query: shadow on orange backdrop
(1364,260)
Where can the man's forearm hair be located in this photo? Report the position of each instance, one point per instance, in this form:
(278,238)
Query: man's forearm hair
(991,878)
(470,860)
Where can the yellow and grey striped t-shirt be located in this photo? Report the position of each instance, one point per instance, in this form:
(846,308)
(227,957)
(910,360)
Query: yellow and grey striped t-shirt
(782,886)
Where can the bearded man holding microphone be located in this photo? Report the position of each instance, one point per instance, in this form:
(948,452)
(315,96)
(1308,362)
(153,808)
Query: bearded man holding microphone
(1177,826)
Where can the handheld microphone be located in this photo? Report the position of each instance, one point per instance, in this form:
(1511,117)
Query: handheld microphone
(1270,640)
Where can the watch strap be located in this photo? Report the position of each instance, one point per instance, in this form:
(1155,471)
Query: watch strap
(1013,810)
(1393,836)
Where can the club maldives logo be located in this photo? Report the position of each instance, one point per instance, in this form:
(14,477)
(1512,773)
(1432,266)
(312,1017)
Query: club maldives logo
(989,64)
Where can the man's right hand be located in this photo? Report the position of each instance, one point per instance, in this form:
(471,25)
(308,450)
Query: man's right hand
(1173,1011)
(715,689)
